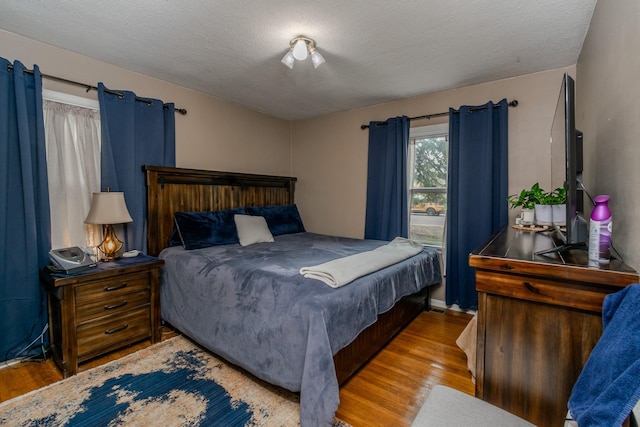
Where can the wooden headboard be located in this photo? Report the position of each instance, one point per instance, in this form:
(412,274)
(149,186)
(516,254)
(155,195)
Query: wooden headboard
(171,190)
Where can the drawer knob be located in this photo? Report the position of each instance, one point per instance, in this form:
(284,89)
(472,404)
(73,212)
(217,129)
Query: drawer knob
(111,307)
(114,330)
(114,288)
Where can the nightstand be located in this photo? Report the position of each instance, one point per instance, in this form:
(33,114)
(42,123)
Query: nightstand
(102,309)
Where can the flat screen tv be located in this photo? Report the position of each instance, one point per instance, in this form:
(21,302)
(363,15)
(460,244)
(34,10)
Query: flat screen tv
(566,168)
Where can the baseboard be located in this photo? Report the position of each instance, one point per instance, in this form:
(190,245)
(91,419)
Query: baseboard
(38,357)
(9,363)
(442,305)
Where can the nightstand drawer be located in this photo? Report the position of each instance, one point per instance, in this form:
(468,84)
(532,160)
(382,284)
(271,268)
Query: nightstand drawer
(110,330)
(111,305)
(113,287)
(565,294)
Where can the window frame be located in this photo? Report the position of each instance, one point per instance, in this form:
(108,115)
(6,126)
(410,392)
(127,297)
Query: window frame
(428,131)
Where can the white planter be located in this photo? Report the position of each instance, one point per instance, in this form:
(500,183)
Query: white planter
(559,214)
(528,215)
(544,215)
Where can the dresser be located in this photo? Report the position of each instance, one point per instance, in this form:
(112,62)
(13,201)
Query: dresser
(539,317)
(102,309)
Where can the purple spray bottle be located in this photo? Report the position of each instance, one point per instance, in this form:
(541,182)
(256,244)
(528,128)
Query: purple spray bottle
(600,230)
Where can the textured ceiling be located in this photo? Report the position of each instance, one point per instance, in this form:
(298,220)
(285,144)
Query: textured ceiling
(376,50)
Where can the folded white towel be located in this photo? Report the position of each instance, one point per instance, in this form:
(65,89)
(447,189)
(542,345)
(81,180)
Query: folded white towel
(341,271)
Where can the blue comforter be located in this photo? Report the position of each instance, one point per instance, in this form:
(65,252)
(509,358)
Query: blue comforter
(251,306)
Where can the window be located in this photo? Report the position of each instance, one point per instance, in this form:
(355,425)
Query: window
(428,157)
(72,134)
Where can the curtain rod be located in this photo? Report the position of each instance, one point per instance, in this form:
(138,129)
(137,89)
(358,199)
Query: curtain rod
(513,103)
(90,87)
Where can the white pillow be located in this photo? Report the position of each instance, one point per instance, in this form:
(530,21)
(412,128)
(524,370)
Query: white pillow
(252,229)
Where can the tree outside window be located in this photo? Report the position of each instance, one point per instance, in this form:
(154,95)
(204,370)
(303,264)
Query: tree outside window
(428,158)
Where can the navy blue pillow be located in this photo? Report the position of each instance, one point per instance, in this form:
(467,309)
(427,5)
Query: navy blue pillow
(174,239)
(203,229)
(284,219)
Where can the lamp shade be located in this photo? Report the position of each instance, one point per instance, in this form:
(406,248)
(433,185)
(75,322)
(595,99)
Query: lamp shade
(108,208)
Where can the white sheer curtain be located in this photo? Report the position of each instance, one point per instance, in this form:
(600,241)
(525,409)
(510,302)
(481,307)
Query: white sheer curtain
(73,162)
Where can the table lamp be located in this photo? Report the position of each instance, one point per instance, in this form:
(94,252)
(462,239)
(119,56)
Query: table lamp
(108,208)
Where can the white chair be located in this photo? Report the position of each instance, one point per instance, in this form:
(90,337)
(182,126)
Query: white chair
(447,407)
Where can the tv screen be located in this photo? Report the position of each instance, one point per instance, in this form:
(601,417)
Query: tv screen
(566,166)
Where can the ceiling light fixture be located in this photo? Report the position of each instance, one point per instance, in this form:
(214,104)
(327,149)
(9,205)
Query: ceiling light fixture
(300,48)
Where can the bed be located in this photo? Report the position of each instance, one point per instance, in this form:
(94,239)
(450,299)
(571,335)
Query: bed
(291,331)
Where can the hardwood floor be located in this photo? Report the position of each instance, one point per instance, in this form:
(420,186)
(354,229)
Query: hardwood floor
(388,391)
(392,387)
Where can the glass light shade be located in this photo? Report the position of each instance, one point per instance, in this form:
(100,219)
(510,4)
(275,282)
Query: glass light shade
(288,59)
(300,51)
(316,58)
(111,244)
(108,208)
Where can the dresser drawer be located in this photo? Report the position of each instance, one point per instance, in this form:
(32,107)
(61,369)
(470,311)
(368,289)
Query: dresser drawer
(565,294)
(110,330)
(112,287)
(111,305)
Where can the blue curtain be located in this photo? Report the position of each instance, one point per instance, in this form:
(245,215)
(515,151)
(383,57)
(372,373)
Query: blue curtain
(24,209)
(387,214)
(477,190)
(135,132)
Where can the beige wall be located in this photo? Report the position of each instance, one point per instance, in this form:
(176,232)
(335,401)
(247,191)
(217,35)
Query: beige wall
(608,112)
(215,134)
(330,152)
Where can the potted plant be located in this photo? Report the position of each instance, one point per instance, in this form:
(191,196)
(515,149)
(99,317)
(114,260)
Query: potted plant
(558,199)
(526,200)
(543,202)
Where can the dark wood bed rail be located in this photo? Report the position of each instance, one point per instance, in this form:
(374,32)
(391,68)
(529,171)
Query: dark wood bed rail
(171,190)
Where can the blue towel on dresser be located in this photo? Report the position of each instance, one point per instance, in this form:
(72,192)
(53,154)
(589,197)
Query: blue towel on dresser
(609,385)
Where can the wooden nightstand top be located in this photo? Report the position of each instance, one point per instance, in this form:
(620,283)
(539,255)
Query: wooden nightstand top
(102,270)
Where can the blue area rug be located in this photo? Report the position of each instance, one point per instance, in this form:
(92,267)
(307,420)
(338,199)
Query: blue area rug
(174,383)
